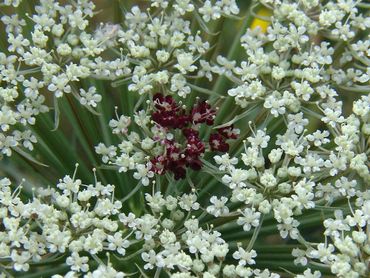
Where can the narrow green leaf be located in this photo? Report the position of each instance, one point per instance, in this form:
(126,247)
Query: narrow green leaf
(28,156)
(56,114)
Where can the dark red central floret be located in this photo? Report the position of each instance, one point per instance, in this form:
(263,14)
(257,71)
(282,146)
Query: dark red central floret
(228,132)
(203,113)
(187,151)
(217,143)
(168,113)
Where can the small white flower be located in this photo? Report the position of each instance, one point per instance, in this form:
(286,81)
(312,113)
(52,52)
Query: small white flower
(185,63)
(90,98)
(245,257)
(77,263)
(69,185)
(225,161)
(116,242)
(210,11)
(219,207)
(143,173)
(236,178)
(189,202)
(59,85)
(249,218)
(120,125)
(260,139)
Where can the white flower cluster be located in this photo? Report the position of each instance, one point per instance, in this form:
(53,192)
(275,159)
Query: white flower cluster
(295,175)
(132,152)
(293,77)
(14,3)
(73,219)
(157,50)
(306,78)
(78,222)
(346,249)
(292,64)
(288,180)
(160,51)
(45,56)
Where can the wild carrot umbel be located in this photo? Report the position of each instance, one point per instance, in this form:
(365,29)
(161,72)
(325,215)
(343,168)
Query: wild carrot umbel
(184,138)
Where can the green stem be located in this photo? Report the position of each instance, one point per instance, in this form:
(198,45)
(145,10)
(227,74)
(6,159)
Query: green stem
(255,235)
(133,191)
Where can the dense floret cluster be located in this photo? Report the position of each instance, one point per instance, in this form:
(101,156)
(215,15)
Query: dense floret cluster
(172,139)
(236,134)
